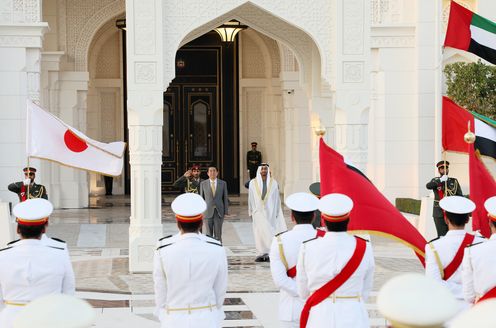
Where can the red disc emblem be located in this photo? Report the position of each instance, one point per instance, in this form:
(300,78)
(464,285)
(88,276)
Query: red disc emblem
(73,142)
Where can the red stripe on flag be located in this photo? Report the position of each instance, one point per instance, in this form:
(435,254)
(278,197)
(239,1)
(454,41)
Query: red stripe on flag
(372,211)
(455,121)
(482,186)
(458,33)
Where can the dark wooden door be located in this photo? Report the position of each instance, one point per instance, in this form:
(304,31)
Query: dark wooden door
(201,113)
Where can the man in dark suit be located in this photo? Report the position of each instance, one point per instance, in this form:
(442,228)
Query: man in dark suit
(214,191)
(442,186)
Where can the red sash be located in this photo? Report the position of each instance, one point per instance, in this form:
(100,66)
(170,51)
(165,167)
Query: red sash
(23,193)
(457,260)
(490,294)
(325,291)
(292,271)
(440,193)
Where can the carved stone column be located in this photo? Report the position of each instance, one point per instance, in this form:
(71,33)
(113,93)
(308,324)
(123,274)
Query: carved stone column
(145,105)
(21,36)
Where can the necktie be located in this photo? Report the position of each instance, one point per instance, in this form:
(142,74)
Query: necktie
(264,189)
(212,185)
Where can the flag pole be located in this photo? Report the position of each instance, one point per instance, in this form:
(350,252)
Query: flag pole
(29,184)
(445,172)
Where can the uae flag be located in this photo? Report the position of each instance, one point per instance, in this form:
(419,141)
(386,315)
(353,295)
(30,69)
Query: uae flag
(471,32)
(455,124)
(372,212)
(47,137)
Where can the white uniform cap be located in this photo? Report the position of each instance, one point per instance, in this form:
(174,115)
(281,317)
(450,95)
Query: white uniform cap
(188,207)
(302,202)
(56,311)
(33,211)
(335,206)
(481,315)
(414,300)
(457,205)
(490,205)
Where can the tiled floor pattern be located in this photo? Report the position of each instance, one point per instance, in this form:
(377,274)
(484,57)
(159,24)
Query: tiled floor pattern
(98,243)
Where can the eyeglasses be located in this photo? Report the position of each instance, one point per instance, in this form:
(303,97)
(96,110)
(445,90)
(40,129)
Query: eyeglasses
(30,174)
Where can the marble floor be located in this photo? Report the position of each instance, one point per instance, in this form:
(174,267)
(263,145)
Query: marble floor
(98,241)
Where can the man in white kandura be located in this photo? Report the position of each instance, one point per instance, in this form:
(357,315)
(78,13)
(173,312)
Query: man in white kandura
(190,271)
(31,269)
(264,207)
(335,272)
(284,254)
(479,266)
(444,255)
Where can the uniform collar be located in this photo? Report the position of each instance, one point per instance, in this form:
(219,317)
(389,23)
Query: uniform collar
(301,227)
(189,235)
(334,234)
(456,233)
(29,242)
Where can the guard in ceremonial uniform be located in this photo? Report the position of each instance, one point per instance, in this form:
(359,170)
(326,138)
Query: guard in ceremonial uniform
(444,255)
(412,300)
(253,160)
(190,271)
(479,267)
(190,181)
(442,186)
(30,269)
(284,255)
(335,272)
(21,187)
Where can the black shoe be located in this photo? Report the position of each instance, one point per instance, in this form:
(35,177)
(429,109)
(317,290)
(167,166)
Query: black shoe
(260,258)
(266,258)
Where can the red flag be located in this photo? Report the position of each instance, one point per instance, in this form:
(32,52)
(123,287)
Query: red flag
(454,123)
(482,186)
(372,212)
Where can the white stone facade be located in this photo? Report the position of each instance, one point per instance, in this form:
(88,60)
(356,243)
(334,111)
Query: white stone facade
(368,71)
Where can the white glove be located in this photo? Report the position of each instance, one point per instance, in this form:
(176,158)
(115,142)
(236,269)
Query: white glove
(26,181)
(443,178)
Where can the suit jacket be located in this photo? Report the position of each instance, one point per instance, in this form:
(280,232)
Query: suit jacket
(219,200)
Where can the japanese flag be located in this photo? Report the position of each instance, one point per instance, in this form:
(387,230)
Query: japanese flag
(47,137)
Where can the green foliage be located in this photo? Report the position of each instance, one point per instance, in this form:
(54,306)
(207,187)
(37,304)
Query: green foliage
(473,86)
(408,205)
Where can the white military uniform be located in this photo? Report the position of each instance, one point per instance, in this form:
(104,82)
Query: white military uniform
(440,252)
(321,259)
(479,268)
(284,255)
(190,275)
(30,269)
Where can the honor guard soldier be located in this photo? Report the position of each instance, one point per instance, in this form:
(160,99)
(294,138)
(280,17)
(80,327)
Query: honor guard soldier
(190,272)
(21,187)
(413,300)
(284,255)
(444,255)
(479,267)
(315,189)
(253,160)
(442,186)
(56,311)
(190,180)
(335,272)
(30,269)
